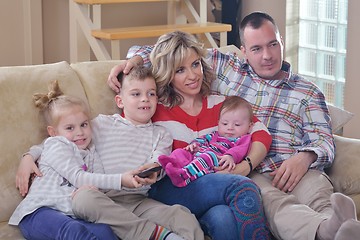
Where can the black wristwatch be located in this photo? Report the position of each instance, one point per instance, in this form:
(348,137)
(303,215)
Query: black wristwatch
(248,160)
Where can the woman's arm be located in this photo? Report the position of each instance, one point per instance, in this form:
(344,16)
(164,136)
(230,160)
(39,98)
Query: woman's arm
(257,153)
(260,145)
(137,55)
(125,67)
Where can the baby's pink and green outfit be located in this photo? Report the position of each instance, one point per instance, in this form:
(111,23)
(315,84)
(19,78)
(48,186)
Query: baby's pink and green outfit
(184,167)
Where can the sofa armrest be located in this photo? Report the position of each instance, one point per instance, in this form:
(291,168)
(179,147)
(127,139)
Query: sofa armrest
(345,171)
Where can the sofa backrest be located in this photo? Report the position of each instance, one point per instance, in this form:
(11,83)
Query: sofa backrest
(93,77)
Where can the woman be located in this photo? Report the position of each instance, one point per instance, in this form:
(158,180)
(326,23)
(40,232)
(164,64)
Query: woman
(228,206)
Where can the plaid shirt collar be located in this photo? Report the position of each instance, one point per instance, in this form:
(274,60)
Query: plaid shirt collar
(286,67)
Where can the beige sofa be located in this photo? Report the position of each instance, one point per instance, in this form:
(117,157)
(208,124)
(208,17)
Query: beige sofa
(20,126)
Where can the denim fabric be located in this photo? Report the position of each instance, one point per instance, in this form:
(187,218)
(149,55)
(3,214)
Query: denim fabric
(227,206)
(46,224)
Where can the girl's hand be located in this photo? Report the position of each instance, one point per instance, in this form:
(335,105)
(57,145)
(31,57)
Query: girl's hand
(26,168)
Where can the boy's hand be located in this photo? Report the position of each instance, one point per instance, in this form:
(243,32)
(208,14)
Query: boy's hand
(128,180)
(226,162)
(151,178)
(26,168)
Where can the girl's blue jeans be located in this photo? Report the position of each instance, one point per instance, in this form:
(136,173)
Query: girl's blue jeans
(227,206)
(46,224)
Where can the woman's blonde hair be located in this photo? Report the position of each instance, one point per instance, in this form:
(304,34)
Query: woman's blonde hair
(169,52)
(54,103)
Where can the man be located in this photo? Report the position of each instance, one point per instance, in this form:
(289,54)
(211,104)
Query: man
(297,195)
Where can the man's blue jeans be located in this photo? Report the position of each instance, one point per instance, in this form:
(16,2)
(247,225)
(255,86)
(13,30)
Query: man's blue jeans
(46,224)
(227,206)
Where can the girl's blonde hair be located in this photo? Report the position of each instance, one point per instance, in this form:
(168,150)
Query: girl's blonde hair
(53,104)
(169,52)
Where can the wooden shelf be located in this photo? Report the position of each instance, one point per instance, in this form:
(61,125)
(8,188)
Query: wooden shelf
(94,2)
(87,32)
(158,30)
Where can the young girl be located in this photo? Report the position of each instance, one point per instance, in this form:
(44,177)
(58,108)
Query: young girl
(67,154)
(218,150)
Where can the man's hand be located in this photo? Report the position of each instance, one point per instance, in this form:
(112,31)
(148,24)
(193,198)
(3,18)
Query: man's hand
(125,67)
(292,170)
(26,168)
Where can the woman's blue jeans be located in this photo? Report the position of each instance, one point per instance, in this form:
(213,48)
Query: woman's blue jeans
(227,206)
(46,224)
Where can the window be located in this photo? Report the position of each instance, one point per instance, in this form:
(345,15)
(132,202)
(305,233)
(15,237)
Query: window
(322,46)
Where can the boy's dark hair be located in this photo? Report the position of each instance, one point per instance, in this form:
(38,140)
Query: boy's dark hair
(138,72)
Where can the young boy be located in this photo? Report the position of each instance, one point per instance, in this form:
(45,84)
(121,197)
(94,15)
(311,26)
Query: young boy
(135,141)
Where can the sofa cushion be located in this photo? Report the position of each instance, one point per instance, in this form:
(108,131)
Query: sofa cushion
(339,117)
(17,85)
(344,172)
(93,76)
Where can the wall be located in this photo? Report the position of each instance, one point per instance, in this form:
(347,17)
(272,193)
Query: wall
(21,38)
(352,86)
(19,45)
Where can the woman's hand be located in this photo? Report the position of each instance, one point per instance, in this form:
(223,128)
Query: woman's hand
(124,67)
(26,168)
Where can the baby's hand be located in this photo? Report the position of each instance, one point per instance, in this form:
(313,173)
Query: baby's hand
(226,162)
(193,147)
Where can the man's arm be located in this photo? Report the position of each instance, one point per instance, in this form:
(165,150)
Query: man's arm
(318,147)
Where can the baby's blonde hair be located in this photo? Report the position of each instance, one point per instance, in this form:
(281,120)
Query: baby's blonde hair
(53,104)
(234,102)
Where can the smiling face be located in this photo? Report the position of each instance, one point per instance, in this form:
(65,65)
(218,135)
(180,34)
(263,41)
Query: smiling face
(73,124)
(263,49)
(188,76)
(138,99)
